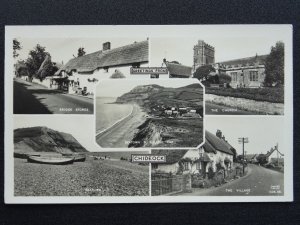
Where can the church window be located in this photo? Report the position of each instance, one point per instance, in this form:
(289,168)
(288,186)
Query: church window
(233,76)
(253,76)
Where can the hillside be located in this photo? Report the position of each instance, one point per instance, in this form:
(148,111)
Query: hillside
(43,139)
(151,95)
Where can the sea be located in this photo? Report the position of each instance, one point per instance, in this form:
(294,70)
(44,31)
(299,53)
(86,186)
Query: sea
(107,113)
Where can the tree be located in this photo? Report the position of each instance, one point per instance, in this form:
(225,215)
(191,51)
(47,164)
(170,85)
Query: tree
(47,68)
(36,58)
(81,52)
(262,159)
(234,154)
(203,72)
(16,47)
(117,75)
(224,78)
(275,65)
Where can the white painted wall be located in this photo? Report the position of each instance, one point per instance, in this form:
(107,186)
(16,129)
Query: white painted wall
(216,158)
(167,168)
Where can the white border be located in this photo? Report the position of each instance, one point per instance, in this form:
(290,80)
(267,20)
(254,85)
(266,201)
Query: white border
(199,31)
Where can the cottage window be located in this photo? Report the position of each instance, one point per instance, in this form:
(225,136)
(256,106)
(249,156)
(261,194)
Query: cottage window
(154,166)
(198,165)
(253,76)
(105,69)
(233,76)
(186,165)
(136,65)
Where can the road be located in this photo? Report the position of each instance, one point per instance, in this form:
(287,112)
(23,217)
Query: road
(120,134)
(30,98)
(214,109)
(258,182)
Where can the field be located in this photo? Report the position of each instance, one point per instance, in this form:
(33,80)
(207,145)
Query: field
(89,178)
(269,94)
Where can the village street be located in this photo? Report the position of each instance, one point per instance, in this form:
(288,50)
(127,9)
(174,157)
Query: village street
(122,132)
(31,98)
(258,182)
(214,109)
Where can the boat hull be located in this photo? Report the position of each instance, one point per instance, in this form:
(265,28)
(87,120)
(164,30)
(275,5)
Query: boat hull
(50,160)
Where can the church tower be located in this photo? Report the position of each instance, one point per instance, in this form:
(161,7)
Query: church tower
(204,54)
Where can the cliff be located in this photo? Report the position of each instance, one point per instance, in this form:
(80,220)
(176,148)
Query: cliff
(43,139)
(150,95)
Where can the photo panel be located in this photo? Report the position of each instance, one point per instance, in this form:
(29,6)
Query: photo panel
(235,160)
(56,156)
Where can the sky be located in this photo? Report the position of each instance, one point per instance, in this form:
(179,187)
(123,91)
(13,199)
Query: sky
(262,132)
(173,49)
(81,127)
(63,49)
(122,86)
(181,49)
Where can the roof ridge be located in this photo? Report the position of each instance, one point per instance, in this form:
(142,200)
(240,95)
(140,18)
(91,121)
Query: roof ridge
(121,47)
(244,58)
(179,64)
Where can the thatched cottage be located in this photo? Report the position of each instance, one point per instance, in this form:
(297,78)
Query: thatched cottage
(85,71)
(219,151)
(177,161)
(215,154)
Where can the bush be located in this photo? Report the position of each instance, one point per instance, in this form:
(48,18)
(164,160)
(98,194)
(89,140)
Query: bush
(224,78)
(269,94)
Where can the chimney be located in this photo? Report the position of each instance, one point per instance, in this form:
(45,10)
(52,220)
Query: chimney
(106,46)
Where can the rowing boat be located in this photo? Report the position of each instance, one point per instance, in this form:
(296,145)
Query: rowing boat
(77,157)
(50,160)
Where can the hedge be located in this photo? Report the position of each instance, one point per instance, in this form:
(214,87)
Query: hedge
(269,94)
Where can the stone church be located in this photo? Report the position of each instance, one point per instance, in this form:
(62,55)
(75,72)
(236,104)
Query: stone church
(244,72)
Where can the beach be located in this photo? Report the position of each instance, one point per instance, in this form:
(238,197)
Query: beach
(121,133)
(89,178)
(107,113)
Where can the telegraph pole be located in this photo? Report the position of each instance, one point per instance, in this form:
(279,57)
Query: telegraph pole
(243,140)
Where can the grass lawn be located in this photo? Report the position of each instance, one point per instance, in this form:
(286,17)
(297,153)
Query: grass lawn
(269,94)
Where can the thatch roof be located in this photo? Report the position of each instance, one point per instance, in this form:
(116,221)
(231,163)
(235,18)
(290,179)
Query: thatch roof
(128,54)
(179,70)
(216,144)
(172,156)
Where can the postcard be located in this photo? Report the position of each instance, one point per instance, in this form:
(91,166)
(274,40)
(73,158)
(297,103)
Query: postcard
(144,114)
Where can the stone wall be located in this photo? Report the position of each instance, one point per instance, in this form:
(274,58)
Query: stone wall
(247,104)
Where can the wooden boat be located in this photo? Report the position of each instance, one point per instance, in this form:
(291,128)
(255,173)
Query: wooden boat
(25,155)
(53,160)
(77,157)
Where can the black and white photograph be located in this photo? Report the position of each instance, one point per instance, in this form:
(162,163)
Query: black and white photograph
(57,157)
(132,114)
(58,76)
(233,161)
(242,76)
(149,113)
